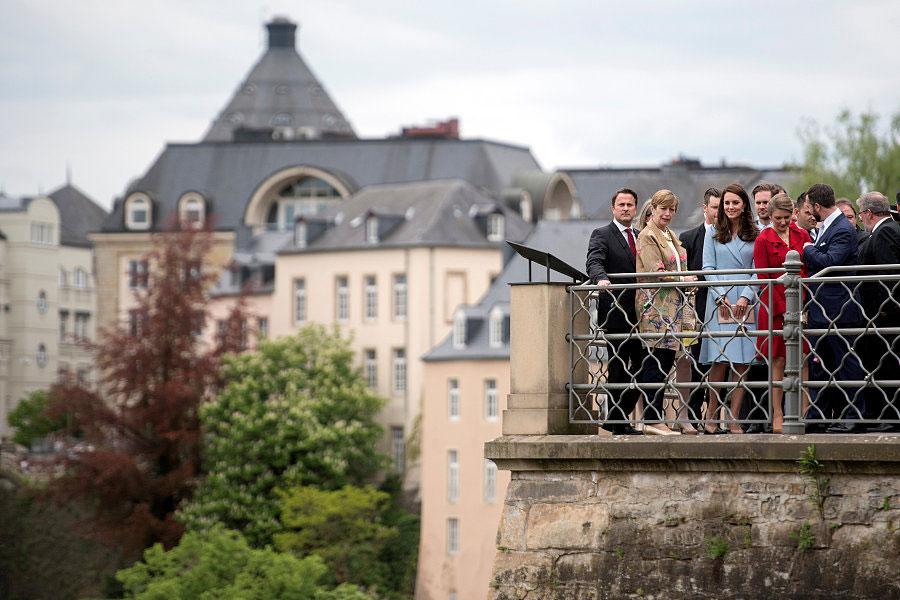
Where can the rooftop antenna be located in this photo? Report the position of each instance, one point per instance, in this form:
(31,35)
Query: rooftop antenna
(68,173)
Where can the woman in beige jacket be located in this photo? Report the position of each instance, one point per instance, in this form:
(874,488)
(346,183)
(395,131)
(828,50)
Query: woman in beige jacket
(660,309)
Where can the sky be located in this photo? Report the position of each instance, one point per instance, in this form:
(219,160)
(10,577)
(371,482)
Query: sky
(98,88)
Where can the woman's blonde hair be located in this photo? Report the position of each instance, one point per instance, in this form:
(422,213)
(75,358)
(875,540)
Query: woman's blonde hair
(644,215)
(781,202)
(664,199)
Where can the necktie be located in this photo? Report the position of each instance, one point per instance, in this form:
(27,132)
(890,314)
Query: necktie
(813,233)
(631,242)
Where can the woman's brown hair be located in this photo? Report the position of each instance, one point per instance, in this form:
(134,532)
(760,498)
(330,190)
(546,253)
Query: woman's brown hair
(748,231)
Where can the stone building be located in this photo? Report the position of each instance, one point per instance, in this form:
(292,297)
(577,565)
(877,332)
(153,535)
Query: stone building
(48,294)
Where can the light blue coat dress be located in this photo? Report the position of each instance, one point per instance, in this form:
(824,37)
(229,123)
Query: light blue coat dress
(736,254)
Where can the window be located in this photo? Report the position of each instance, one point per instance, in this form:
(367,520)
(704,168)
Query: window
(63,325)
(192,210)
(398,449)
(452,476)
(299,300)
(63,277)
(83,375)
(490,481)
(400,296)
(453,399)
(399,371)
(342,298)
(81,278)
(495,333)
(372,230)
(42,233)
(138,212)
(42,355)
(262,327)
(459,330)
(137,274)
(304,196)
(300,234)
(244,337)
(371,299)
(452,536)
(490,399)
(495,228)
(371,367)
(42,302)
(451,596)
(81,326)
(135,323)
(221,331)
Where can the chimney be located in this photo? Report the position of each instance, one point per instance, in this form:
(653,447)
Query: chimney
(281,33)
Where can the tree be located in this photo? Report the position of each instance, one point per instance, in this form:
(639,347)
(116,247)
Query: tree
(295,410)
(141,431)
(854,156)
(220,564)
(31,420)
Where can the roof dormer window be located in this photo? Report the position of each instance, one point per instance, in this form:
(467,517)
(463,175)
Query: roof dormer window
(495,227)
(372,230)
(495,330)
(138,212)
(300,234)
(459,330)
(192,210)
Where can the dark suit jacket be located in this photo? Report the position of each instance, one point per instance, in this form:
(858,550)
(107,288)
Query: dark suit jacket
(881,248)
(692,242)
(608,252)
(837,246)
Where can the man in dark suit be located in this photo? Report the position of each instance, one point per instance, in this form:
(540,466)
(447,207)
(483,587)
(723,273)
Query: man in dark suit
(612,249)
(881,303)
(834,303)
(692,242)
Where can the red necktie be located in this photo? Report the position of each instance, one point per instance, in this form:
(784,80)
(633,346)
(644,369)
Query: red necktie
(631,242)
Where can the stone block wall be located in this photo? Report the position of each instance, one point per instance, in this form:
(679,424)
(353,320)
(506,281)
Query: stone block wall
(607,518)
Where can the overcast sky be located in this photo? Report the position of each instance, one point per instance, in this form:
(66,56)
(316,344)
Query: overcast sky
(102,86)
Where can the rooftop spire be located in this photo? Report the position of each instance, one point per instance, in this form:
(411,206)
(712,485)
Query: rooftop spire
(282,33)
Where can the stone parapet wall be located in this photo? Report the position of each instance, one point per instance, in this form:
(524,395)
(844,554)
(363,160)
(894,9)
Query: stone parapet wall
(590,517)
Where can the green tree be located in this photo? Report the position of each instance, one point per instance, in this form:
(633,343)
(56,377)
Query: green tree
(31,420)
(854,156)
(220,564)
(296,410)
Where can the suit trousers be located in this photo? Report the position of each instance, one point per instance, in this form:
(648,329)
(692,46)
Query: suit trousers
(624,359)
(881,356)
(838,361)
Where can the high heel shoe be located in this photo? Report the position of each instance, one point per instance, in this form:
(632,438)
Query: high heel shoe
(685,428)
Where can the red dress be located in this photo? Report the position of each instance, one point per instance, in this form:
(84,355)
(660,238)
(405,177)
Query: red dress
(769,252)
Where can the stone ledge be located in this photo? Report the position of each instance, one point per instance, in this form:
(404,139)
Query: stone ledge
(862,453)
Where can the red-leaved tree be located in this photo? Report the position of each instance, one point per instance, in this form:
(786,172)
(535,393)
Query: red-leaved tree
(139,455)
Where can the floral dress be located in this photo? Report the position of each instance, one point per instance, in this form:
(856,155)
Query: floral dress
(659,309)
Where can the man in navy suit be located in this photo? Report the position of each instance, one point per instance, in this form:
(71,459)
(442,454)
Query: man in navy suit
(612,249)
(835,245)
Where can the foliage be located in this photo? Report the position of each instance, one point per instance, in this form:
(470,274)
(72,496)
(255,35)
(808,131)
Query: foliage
(31,420)
(294,411)
(365,538)
(805,538)
(141,432)
(813,471)
(854,156)
(221,564)
(717,547)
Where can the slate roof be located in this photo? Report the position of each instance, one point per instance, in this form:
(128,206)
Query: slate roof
(280,92)
(227,174)
(687,179)
(567,240)
(78,215)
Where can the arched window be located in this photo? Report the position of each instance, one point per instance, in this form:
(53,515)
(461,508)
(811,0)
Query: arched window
(304,196)
(42,355)
(138,212)
(42,302)
(192,210)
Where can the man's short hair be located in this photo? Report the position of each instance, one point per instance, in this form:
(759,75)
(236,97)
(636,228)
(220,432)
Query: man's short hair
(763,186)
(802,199)
(846,202)
(711,193)
(624,190)
(779,189)
(821,194)
(876,202)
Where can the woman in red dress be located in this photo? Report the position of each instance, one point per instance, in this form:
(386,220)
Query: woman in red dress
(769,252)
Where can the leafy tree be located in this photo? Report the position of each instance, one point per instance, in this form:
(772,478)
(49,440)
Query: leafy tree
(296,410)
(140,454)
(855,156)
(220,564)
(360,533)
(31,420)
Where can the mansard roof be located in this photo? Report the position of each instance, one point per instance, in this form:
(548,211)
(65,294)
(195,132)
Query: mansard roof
(78,215)
(280,96)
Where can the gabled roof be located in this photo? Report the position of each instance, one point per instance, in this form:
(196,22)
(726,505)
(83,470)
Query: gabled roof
(280,93)
(78,215)
(567,240)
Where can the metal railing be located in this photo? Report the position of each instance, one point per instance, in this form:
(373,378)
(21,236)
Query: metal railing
(836,368)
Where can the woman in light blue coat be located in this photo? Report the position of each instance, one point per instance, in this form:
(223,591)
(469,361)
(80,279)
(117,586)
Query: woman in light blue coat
(729,245)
